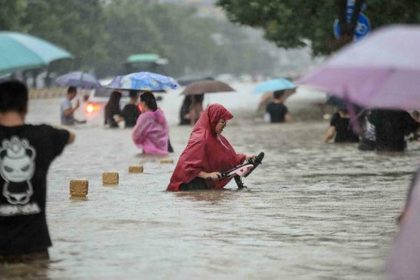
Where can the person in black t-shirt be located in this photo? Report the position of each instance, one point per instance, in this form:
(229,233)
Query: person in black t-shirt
(340,127)
(26,152)
(277,111)
(391,126)
(131,111)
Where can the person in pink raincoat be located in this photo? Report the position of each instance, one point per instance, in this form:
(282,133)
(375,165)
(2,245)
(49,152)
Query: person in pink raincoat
(151,132)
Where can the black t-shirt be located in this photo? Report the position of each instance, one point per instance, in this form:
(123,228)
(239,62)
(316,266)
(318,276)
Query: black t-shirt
(26,153)
(130,113)
(390,128)
(344,132)
(277,112)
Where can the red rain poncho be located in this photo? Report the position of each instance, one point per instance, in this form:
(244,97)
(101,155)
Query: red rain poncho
(206,151)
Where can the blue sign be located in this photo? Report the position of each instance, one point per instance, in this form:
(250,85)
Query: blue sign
(362,28)
(350,9)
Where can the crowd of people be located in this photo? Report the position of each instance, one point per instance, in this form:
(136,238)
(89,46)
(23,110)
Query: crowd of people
(113,115)
(150,129)
(378,129)
(31,149)
(375,130)
(27,151)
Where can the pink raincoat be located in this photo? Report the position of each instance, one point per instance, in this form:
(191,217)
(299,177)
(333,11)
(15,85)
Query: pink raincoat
(151,133)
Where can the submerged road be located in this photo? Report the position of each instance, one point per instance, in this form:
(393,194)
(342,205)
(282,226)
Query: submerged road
(312,211)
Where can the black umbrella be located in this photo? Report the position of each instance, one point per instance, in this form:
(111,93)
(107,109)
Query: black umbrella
(206,86)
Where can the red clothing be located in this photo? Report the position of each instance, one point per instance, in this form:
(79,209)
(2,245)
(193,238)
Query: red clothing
(206,151)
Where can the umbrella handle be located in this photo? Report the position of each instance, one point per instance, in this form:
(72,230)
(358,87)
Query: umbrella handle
(354,120)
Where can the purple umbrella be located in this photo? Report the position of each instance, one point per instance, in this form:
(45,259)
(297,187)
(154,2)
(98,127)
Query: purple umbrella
(405,256)
(78,79)
(381,70)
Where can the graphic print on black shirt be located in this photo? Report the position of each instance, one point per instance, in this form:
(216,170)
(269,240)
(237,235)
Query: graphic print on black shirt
(26,152)
(17,167)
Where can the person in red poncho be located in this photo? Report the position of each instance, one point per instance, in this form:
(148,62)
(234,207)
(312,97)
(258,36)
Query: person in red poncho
(207,154)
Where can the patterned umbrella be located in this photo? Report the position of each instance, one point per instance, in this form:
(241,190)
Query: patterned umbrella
(78,79)
(144,81)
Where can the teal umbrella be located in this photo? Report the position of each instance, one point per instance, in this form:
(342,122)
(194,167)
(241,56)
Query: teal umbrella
(20,51)
(143,57)
(273,85)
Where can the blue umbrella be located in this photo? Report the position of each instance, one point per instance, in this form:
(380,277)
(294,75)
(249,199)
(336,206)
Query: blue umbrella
(78,79)
(143,81)
(273,85)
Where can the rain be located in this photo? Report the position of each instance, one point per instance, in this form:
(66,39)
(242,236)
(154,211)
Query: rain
(209,139)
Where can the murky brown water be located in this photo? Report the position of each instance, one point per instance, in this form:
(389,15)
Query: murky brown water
(312,211)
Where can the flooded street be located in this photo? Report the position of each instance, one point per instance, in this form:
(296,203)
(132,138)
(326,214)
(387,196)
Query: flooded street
(311,210)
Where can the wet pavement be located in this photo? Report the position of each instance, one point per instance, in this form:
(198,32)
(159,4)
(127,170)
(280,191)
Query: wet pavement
(311,211)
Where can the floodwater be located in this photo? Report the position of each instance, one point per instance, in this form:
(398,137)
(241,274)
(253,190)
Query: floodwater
(311,210)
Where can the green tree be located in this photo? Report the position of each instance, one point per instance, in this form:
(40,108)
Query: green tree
(297,23)
(102,34)
(11,13)
(131,30)
(176,33)
(186,38)
(75,25)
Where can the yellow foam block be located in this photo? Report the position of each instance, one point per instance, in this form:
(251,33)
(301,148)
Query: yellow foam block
(79,188)
(166,160)
(135,169)
(110,178)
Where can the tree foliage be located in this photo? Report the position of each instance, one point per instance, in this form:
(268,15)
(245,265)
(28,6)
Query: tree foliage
(296,23)
(102,34)
(175,32)
(11,13)
(76,25)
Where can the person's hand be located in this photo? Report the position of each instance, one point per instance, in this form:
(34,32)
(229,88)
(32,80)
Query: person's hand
(247,157)
(214,176)
(117,118)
